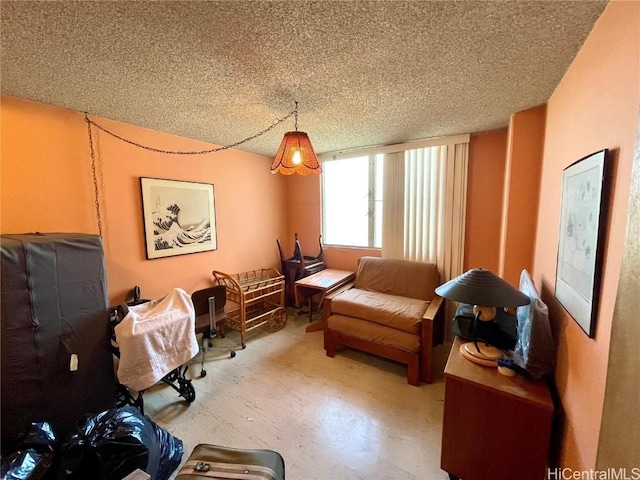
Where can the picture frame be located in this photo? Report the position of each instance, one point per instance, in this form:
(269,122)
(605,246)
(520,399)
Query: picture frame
(582,225)
(179,217)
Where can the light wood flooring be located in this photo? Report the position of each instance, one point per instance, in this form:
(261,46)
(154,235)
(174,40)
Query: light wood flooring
(349,417)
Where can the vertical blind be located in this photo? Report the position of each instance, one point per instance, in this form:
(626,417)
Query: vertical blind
(425,195)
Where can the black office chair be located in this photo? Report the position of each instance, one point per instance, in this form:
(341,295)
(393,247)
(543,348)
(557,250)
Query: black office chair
(210,318)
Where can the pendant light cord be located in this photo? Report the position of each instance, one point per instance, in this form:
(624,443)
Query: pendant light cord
(95,176)
(275,123)
(90,122)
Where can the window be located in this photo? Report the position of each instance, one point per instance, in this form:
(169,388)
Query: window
(352,201)
(424,188)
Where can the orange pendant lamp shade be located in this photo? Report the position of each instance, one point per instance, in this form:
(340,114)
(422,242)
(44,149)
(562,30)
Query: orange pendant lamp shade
(296,155)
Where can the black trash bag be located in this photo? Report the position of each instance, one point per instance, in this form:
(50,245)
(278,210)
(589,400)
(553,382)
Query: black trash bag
(171,450)
(112,444)
(33,457)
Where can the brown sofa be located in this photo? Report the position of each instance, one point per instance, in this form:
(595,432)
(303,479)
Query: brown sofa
(392,311)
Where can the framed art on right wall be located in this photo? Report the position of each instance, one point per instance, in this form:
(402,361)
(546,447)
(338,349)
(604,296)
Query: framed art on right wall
(582,226)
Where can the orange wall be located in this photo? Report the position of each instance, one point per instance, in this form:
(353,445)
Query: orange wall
(47,186)
(521,192)
(595,106)
(303,217)
(485,187)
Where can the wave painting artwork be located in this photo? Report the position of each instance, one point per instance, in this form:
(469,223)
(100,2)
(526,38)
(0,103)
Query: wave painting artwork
(179,219)
(169,233)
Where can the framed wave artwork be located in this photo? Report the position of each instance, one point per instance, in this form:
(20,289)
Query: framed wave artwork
(179,217)
(583,217)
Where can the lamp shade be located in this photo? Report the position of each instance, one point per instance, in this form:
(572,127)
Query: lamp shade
(481,287)
(296,155)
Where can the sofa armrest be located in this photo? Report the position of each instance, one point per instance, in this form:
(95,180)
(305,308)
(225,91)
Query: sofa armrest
(435,312)
(326,301)
(434,308)
(432,334)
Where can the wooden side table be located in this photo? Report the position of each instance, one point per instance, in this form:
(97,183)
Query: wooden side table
(494,426)
(324,282)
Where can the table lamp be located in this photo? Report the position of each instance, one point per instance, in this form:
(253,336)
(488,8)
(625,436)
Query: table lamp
(486,292)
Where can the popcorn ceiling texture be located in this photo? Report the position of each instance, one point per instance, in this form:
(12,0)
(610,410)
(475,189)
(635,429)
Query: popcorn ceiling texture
(365,72)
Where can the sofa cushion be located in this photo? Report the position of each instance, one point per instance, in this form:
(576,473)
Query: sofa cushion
(397,277)
(375,333)
(396,312)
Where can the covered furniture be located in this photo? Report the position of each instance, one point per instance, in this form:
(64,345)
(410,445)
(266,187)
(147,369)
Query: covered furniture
(140,331)
(154,340)
(56,357)
(391,311)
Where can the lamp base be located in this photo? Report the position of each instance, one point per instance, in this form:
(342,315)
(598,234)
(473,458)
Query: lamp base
(487,355)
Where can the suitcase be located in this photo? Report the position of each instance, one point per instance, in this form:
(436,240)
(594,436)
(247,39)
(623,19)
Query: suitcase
(212,461)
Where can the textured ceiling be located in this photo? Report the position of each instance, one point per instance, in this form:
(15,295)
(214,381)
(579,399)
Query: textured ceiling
(365,72)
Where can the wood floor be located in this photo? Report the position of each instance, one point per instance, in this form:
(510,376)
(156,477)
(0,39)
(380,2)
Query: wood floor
(349,417)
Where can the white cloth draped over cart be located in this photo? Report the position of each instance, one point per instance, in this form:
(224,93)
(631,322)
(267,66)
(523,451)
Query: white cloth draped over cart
(154,338)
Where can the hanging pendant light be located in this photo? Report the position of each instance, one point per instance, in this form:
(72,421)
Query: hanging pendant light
(296,155)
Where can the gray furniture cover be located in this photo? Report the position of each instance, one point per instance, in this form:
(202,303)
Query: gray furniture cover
(54,311)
